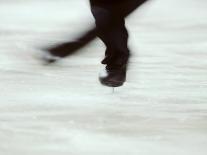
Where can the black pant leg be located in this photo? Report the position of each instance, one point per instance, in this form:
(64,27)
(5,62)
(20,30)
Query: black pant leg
(110,25)
(112,31)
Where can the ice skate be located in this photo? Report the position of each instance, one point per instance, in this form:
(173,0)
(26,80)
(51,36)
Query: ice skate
(113,76)
(58,52)
(48,58)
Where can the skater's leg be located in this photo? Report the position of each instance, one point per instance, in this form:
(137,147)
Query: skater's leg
(110,26)
(113,33)
(110,23)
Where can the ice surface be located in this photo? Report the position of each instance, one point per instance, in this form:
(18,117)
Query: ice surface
(62,109)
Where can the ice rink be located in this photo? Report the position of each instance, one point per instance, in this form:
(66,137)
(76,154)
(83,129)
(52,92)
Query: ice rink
(63,110)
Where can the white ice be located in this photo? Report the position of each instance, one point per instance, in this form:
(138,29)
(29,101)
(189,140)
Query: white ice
(63,110)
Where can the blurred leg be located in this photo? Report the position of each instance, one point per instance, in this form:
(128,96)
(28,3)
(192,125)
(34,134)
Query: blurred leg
(68,48)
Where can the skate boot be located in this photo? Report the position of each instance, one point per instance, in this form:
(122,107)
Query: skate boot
(55,53)
(113,76)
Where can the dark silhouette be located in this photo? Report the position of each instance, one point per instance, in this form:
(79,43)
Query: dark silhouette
(110,28)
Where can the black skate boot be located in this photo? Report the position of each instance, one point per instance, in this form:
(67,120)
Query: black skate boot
(113,76)
(55,53)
